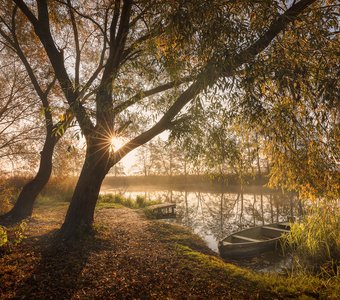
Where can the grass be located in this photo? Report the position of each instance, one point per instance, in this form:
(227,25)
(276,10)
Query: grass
(118,201)
(59,189)
(57,192)
(60,195)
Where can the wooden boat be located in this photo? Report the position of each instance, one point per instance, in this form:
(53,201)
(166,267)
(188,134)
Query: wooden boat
(253,241)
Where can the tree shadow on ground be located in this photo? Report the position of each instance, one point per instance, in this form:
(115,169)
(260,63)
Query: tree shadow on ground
(58,273)
(7,220)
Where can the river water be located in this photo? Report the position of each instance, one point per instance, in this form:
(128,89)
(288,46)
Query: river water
(215,214)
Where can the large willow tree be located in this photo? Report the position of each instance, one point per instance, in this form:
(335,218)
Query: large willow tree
(119,63)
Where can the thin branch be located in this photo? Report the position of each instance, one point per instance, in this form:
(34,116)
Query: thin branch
(103,31)
(144,94)
(76,42)
(114,23)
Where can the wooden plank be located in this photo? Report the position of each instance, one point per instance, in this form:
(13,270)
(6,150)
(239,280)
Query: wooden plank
(162,206)
(287,224)
(246,238)
(275,229)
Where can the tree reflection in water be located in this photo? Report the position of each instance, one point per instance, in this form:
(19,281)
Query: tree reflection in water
(213,215)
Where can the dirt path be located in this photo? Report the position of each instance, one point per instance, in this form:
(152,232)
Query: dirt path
(127,259)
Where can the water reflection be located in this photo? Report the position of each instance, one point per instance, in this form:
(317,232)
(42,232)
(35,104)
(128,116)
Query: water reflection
(214,215)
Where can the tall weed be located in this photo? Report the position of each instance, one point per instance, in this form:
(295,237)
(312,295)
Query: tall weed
(315,242)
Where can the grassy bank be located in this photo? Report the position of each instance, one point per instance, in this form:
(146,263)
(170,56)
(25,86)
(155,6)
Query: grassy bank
(194,255)
(132,257)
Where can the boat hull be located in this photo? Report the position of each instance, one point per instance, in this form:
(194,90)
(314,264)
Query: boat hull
(250,249)
(252,242)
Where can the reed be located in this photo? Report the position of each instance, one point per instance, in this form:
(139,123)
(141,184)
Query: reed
(315,242)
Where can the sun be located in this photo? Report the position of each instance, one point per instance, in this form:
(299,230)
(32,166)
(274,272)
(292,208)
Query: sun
(117,143)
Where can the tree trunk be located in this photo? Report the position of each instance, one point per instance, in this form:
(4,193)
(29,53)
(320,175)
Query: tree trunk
(80,214)
(23,207)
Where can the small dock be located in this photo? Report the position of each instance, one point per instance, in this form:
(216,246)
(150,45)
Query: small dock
(164,210)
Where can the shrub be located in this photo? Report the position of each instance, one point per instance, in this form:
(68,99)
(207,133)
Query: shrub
(140,201)
(10,237)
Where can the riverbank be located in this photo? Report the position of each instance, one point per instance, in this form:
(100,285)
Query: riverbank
(129,257)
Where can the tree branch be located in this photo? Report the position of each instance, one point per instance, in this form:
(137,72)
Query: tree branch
(42,30)
(144,94)
(209,76)
(205,79)
(76,42)
(274,29)
(114,22)
(117,42)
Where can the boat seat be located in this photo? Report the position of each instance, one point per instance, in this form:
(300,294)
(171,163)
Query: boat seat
(276,229)
(246,238)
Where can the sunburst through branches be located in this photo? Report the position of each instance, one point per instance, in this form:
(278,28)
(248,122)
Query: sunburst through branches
(116,142)
(109,142)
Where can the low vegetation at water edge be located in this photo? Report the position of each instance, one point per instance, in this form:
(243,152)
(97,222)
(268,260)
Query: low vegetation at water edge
(110,200)
(315,242)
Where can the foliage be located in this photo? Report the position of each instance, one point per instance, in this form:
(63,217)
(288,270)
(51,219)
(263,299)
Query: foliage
(220,142)
(282,108)
(292,102)
(68,155)
(3,236)
(11,237)
(315,243)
